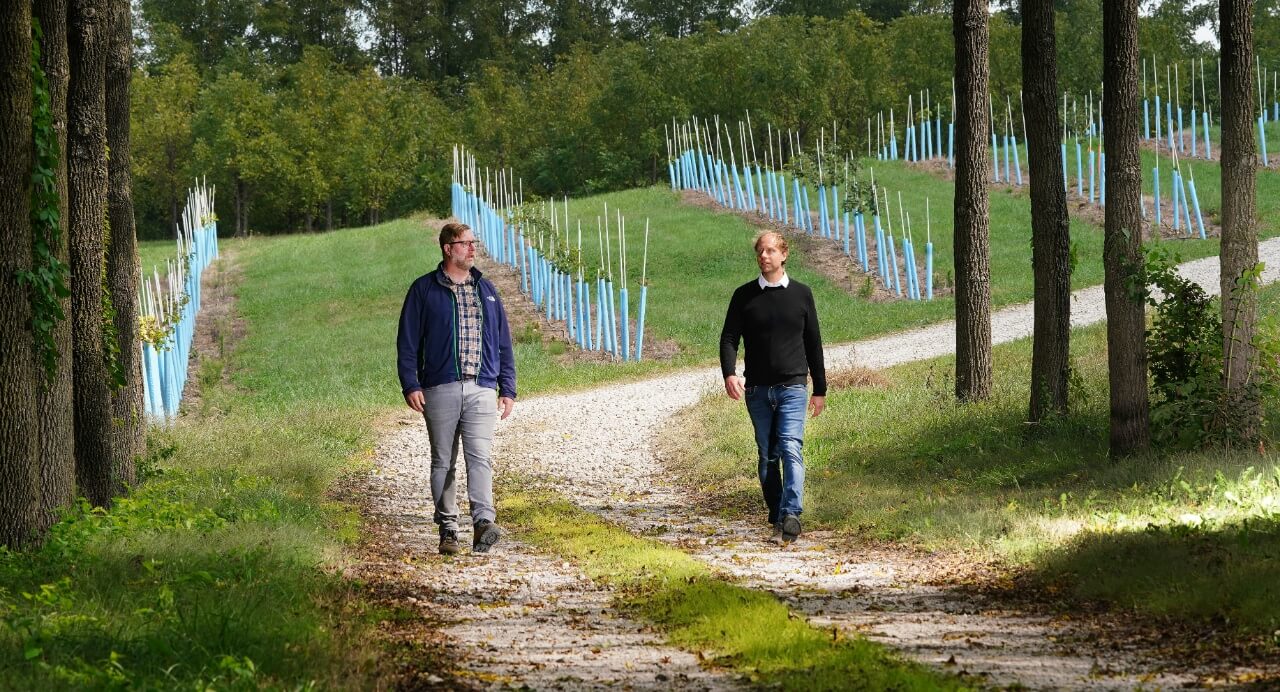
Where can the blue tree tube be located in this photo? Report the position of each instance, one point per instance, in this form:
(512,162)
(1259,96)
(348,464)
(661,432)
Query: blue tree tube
(846,234)
(951,144)
(740,185)
(860,227)
(611,328)
(910,145)
(601,314)
(149,384)
(1064,166)
(626,323)
(1182,134)
(1173,197)
(862,242)
(822,211)
(1207,152)
(1262,136)
(1079,171)
(893,147)
(1092,171)
(1168,112)
(1195,202)
(882,262)
(751,191)
(1155,190)
(1146,118)
(995,158)
(1194,120)
(644,300)
(782,187)
(937,133)
(1017,163)
(1102,178)
(928,270)
(893,257)
(773,195)
(913,281)
(1186,204)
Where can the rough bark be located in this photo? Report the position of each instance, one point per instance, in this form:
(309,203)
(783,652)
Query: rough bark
(972,207)
(128,424)
(1122,243)
(88,39)
(19,448)
(57,422)
(1239,213)
(1050,224)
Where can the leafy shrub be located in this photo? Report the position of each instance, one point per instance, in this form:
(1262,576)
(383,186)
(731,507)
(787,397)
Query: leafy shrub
(1190,407)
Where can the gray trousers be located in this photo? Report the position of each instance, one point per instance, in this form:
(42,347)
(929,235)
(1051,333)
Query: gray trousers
(468,412)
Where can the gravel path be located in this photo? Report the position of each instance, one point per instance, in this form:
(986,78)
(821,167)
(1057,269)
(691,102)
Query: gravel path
(526,619)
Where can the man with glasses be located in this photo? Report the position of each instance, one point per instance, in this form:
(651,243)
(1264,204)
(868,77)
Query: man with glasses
(777,322)
(454,351)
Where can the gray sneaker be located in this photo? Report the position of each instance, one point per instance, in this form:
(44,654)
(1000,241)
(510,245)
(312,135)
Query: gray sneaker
(776,537)
(449,542)
(790,528)
(486,534)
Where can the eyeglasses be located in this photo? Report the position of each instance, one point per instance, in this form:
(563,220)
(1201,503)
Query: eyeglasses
(468,243)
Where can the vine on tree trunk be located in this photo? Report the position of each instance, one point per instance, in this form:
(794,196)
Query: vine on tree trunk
(47,278)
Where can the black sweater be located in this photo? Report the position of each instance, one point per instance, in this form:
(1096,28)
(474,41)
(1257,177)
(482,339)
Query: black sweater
(779,327)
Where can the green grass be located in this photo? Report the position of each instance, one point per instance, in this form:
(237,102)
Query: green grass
(152,255)
(221,569)
(748,631)
(904,462)
(216,573)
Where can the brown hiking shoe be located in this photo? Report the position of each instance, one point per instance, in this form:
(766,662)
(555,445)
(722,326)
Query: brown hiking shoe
(449,542)
(486,534)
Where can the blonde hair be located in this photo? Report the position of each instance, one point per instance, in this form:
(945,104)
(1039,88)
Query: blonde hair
(779,240)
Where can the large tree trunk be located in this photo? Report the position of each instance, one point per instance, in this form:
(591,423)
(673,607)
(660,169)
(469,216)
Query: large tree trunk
(972,222)
(1122,244)
(122,255)
(1050,225)
(19,442)
(57,422)
(328,214)
(1239,214)
(88,40)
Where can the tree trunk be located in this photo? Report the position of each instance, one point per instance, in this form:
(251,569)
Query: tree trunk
(122,255)
(308,221)
(88,39)
(972,208)
(328,214)
(1050,225)
(1239,215)
(57,420)
(19,443)
(242,209)
(1122,243)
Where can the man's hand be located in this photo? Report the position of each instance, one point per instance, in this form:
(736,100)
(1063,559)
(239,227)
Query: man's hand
(733,386)
(816,405)
(415,400)
(507,403)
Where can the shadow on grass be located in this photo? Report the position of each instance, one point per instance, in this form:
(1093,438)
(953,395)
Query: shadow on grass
(1229,574)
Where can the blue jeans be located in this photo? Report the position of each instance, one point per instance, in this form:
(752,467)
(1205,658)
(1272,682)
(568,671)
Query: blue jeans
(777,413)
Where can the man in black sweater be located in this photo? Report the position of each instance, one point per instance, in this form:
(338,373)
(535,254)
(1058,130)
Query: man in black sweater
(777,322)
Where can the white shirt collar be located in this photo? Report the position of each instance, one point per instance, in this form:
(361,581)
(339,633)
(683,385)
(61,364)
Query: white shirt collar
(783,282)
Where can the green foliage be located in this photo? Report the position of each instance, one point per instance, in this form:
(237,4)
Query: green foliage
(47,278)
(1191,407)
(1184,354)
